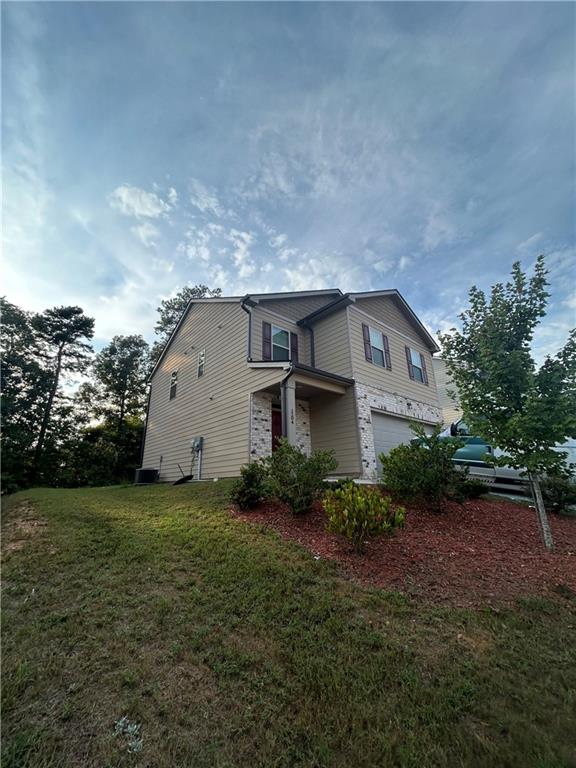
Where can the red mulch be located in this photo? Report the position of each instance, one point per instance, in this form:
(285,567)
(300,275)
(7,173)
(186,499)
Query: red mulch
(480,552)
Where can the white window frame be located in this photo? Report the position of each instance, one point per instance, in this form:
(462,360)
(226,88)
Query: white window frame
(375,333)
(201,363)
(275,328)
(417,367)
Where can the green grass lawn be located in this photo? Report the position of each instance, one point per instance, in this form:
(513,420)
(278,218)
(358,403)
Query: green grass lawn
(230,647)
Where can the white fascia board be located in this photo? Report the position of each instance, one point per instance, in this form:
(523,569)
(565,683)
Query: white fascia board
(284,366)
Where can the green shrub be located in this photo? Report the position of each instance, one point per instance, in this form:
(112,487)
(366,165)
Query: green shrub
(358,512)
(470,488)
(423,470)
(251,487)
(559,492)
(295,478)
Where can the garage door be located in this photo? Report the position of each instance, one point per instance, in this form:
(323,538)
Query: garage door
(390,431)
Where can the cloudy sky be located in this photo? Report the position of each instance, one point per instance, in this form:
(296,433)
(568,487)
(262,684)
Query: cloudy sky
(286,146)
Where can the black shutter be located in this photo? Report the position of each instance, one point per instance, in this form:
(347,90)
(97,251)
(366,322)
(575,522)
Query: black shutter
(367,345)
(424,372)
(409,361)
(387,359)
(294,347)
(266,341)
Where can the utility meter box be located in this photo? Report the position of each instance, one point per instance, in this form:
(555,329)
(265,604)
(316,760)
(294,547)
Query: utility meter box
(196,444)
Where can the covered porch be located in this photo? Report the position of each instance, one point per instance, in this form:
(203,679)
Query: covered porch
(303,407)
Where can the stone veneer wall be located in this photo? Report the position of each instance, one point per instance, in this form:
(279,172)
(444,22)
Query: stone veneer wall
(369,397)
(261,425)
(303,439)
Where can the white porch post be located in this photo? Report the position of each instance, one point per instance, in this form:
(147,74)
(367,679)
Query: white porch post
(289,410)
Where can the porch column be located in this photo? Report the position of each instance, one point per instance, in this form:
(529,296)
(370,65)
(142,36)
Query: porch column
(289,411)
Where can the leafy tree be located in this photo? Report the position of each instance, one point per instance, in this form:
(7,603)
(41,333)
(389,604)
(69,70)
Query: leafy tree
(120,369)
(523,410)
(95,459)
(61,332)
(24,385)
(171,310)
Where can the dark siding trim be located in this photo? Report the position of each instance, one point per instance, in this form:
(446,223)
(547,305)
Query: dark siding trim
(409,361)
(387,358)
(294,347)
(266,341)
(424,371)
(367,345)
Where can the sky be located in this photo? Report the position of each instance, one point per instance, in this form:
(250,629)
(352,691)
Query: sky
(286,146)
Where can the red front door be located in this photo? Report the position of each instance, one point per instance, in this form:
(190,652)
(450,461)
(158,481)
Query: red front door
(276,427)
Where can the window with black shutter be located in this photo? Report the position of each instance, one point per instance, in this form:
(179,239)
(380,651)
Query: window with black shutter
(376,347)
(416,365)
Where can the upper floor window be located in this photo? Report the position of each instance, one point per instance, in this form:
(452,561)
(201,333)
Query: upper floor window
(201,360)
(416,365)
(376,347)
(173,384)
(278,344)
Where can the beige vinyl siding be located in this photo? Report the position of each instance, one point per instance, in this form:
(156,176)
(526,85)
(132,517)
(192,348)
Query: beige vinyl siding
(331,346)
(216,406)
(334,425)
(260,315)
(451,411)
(385,309)
(297,308)
(398,379)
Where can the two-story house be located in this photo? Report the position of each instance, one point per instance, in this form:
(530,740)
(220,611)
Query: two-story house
(322,368)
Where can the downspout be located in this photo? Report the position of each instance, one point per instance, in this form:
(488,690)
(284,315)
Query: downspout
(145,426)
(312,349)
(248,311)
(283,401)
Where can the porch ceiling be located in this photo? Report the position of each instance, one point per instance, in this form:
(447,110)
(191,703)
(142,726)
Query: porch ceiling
(311,382)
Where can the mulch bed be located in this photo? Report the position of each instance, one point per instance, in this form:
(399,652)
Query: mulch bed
(481,552)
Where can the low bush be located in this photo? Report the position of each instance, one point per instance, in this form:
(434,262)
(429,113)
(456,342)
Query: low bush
(359,512)
(559,492)
(470,488)
(423,470)
(295,478)
(251,487)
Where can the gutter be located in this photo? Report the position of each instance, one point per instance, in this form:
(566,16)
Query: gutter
(283,400)
(247,303)
(145,427)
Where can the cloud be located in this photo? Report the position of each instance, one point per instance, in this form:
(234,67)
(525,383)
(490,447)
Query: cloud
(241,252)
(439,229)
(133,201)
(27,196)
(147,234)
(529,245)
(204,200)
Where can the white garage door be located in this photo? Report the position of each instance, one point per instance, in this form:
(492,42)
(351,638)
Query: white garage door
(390,431)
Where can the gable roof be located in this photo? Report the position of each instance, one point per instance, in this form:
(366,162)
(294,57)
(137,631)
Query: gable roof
(342,300)
(395,294)
(257,297)
(350,298)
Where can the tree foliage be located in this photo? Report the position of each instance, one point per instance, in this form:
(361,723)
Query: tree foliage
(50,434)
(60,333)
(120,370)
(506,399)
(423,470)
(172,309)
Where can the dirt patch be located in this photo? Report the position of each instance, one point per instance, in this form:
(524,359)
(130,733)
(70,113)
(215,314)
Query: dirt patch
(480,552)
(23,526)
